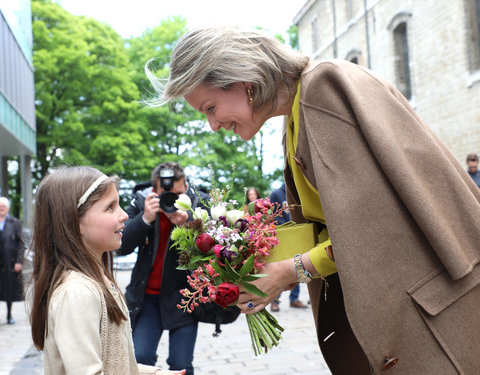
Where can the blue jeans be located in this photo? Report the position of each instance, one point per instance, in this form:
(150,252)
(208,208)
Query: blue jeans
(148,331)
(294,293)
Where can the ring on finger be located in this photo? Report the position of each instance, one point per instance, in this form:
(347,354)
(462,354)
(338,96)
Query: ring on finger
(250,305)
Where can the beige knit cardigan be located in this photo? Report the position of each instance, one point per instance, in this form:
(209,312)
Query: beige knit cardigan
(81,339)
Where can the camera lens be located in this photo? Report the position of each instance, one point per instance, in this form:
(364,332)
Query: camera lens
(167,202)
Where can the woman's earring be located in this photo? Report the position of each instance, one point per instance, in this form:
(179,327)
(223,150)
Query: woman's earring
(250,98)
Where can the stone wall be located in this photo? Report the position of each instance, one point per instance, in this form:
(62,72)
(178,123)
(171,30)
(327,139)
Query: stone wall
(445,87)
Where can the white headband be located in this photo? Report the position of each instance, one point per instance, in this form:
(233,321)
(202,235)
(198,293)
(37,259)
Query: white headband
(91,189)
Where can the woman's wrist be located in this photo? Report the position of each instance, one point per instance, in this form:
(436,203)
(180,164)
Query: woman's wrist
(288,273)
(307,263)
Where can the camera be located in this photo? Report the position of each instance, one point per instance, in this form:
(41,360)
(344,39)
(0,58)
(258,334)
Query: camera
(167,198)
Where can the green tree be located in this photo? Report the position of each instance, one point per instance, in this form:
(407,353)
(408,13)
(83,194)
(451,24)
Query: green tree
(176,132)
(86,101)
(164,129)
(293,36)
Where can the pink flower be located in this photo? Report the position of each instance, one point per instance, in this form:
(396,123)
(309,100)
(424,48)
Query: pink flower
(217,250)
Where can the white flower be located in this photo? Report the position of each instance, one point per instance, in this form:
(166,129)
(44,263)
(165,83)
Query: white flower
(183,203)
(234,215)
(218,211)
(201,214)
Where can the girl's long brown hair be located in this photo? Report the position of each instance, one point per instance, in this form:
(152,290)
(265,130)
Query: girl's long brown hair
(57,244)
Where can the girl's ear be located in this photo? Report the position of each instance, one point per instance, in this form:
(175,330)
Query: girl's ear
(81,227)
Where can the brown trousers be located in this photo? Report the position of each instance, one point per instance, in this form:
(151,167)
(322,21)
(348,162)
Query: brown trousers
(340,348)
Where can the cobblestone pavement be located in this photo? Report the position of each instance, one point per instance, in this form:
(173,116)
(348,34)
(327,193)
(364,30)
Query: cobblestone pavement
(230,353)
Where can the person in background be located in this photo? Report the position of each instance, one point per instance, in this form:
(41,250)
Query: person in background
(280,196)
(472,168)
(393,281)
(154,290)
(251,195)
(79,317)
(11,258)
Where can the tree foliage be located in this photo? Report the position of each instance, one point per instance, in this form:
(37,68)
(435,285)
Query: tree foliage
(91,91)
(189,139)
(85,98)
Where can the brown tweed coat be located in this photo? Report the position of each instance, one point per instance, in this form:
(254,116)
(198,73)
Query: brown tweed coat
(403,217)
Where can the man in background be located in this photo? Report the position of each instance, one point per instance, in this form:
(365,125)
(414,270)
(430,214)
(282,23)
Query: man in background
(154,290)
(472,168)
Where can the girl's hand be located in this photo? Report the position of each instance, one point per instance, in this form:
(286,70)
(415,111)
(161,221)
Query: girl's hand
(166,372)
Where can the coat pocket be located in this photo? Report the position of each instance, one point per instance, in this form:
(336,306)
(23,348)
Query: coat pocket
(437,291)
(449,308)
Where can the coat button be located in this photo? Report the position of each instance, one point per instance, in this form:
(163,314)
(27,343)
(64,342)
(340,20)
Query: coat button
(389,363)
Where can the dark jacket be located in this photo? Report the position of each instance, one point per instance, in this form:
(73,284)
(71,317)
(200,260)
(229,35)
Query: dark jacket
(280,196)
(146,237)
(11,251)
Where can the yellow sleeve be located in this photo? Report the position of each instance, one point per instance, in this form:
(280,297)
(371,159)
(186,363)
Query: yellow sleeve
(321,261)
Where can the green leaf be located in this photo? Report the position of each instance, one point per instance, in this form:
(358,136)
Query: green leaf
(220,271)
(197,258)
(250,288)
(251,208)
(233,275)
(253,277)
(247,266)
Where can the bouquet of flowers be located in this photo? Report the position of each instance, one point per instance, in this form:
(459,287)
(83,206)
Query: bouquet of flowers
(225,250)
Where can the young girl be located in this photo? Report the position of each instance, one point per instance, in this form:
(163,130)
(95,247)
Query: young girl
(79,317)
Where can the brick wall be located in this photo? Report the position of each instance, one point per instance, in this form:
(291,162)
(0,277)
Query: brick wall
(445,89)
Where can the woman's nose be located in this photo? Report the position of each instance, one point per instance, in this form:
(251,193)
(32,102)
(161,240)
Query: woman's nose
(215,125)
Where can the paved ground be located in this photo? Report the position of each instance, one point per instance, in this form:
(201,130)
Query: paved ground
(230,353)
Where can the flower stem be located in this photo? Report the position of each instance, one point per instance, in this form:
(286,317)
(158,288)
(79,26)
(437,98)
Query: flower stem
(265,332)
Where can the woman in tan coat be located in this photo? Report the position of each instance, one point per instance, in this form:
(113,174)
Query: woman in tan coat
(394,278)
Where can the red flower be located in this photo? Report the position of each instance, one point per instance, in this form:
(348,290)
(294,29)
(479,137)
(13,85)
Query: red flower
(227,294)
(205,242)
(262,205)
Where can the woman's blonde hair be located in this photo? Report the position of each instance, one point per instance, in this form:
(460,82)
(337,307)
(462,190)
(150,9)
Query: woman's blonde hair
(220,56)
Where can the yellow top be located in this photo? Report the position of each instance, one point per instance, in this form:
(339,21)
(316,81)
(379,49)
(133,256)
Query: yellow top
(309,198)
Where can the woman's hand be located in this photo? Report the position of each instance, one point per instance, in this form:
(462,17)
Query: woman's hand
(280,276)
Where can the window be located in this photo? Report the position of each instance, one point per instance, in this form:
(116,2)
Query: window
(401,58)
(353,56)
(314,35)
(349,10)
(473,27)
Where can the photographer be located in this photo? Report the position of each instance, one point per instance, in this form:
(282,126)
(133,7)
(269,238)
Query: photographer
(153,293)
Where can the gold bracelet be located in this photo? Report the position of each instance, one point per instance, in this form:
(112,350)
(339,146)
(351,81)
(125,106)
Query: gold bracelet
(303,275)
